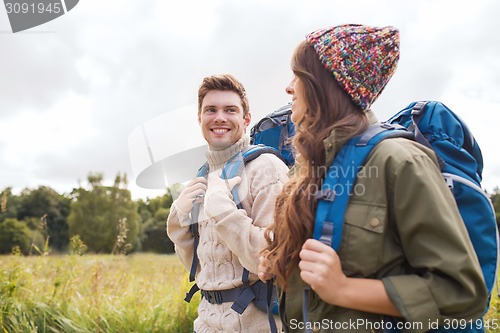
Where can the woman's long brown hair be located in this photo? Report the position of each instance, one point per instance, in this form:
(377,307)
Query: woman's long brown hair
(328,108)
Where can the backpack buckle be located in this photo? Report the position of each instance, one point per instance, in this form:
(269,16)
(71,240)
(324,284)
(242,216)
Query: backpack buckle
(213,296)
(449,182)
(418,108)
(326,194)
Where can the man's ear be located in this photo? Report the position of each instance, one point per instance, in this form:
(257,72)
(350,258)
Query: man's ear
(247,119)
(199,118)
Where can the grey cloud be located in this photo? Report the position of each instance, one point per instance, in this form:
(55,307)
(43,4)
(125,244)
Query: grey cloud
(36,71)
(153,69)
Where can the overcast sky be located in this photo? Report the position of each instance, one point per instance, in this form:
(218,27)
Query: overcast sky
(75,89)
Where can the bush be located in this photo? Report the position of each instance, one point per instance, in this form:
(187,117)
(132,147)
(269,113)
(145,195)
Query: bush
(14,233)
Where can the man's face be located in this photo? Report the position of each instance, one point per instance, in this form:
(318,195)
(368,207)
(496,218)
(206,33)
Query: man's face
(221,118)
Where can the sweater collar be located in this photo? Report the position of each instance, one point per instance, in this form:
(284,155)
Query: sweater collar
(217,158)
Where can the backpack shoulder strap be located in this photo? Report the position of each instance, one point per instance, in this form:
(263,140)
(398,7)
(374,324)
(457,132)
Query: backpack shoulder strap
(253,151)
(417,114)
(341,176)
(193,228)
(234,167)
(339,184)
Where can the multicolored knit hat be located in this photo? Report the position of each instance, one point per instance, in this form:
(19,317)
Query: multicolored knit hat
(361,58)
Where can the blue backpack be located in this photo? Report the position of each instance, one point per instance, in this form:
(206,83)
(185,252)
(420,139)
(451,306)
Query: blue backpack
(461,163)
(275,130)
(437,127)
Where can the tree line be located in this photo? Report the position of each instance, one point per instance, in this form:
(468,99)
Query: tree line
(95,218)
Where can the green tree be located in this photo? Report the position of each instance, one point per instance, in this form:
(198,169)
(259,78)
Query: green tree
(155,236)
(154,213)
(9,204)
(14,233)
(45,201)
(495,199)
(96,213)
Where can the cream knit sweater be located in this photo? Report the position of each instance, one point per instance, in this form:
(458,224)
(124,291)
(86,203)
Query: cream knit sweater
(232,242)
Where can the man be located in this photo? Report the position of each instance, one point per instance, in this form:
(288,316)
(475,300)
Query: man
(230,239)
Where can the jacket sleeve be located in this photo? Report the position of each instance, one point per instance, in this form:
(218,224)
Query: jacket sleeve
(243,233)
(445,279)
(178,231)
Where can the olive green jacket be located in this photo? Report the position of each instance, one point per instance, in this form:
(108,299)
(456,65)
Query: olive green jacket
(402,226)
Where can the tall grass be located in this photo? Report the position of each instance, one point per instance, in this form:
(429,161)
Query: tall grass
(106,293)
(492,318)
(100,293)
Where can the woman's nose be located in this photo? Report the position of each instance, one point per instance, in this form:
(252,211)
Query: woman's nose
(289,87)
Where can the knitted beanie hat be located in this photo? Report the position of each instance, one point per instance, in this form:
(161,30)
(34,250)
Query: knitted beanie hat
(361,58)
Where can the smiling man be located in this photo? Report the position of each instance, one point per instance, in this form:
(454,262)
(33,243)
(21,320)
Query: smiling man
(230,236)
(223,116)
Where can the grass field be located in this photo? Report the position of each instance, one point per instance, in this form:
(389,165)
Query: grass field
(104,293)
(139,293)
(492,318)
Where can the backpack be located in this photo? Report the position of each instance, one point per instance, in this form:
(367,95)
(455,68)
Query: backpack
(264,296)
(437,127)
(275,130)
(461,162)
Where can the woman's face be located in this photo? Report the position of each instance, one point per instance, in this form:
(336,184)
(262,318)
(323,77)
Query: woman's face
(296,90)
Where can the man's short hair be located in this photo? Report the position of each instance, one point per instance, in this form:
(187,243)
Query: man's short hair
(224,82)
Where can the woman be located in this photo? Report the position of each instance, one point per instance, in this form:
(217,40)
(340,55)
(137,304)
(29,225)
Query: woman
(405,255)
